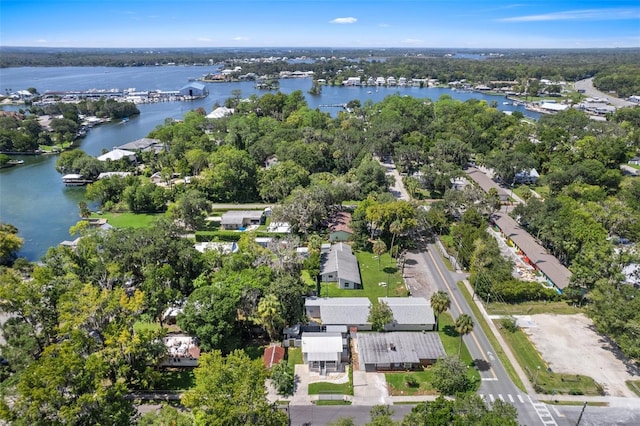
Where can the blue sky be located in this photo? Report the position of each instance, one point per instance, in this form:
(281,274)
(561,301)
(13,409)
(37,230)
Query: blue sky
(327,23)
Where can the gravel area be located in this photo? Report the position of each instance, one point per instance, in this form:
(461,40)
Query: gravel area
(570,344)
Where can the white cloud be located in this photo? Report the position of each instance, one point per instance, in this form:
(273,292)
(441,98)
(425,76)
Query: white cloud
(241,38)
(579,15)
(42,41)
(349,20)
(383,25)
(411,41)
(203,39)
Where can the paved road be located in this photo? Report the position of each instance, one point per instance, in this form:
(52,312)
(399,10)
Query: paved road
(496,383)
(589,90)
(322,415)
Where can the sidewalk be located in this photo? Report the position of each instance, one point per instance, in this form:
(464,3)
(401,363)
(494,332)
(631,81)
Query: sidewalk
(507,350)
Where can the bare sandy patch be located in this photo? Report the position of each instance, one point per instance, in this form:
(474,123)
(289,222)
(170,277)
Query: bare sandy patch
(570,344)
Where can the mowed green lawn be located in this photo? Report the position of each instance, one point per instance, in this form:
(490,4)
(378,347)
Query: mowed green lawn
(451,342)
(372,276)
(128,220)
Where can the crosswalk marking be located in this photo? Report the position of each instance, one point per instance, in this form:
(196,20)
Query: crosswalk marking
(501,397)
(520,398)
(491,398)
(510,398)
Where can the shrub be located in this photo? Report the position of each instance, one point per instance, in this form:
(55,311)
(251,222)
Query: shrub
(411,381)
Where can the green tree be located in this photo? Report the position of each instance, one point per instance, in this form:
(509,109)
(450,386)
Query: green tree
(283,378)
(450,375)
(379,248)
(166,416)
(10,243)
(464,325)
(190,209)
(210,315)
(269,316)
(230,391)
(440,302)
(277,182)
(380,314)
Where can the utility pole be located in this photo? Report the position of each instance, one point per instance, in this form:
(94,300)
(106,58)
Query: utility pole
(581,413)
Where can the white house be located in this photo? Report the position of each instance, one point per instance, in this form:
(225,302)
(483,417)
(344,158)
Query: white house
(118,154)
(340,265)
(322,352)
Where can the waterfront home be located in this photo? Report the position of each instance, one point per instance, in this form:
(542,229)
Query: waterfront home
(144,145)
(118,154)
(220,112)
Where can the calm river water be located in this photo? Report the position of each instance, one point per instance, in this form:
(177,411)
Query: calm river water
(32,196)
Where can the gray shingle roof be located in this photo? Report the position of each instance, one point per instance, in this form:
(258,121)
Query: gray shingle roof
(143,144)
(374,348)
(485,182)
(410,310)
(235,217)
(342,310)
(342,261)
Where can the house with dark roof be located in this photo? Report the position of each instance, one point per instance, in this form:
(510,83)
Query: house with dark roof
(340,227)
(144,145)
(340,265)
(410,314)
(398,350)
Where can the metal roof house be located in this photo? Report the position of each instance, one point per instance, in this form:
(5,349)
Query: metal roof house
(398,350)
(340,265)
(236,219)
(410,314)
(347,311)
(118,154)
(323,352)
(144,145)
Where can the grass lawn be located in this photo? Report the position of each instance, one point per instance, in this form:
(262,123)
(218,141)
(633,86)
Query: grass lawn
(634,385)
(139,326)
(542,190)
(332,402)
(306,278)
(128,220)
(398,386)
(294,356)
(544,380)
(451,342)
(497,348)
(532,308)
(590,403)
(317,388)
(371,276)
(176,380)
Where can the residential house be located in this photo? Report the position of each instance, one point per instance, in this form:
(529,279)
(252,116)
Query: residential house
(239,219)
(323,352)
(220,112)
(635,161)
(410,314)
(273,355)
(527,176)
(398,350)
(182,351)
(144,145)
(340,227)
(340,265)
(118,154)
(351,312)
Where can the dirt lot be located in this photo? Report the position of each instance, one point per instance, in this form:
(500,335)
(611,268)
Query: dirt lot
(569,344)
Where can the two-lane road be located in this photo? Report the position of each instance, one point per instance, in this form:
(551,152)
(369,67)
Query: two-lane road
(496,383)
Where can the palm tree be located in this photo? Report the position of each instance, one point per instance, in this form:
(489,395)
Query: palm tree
(379,248)
(269,315)
(440,302)
(395,228)
(464,325)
